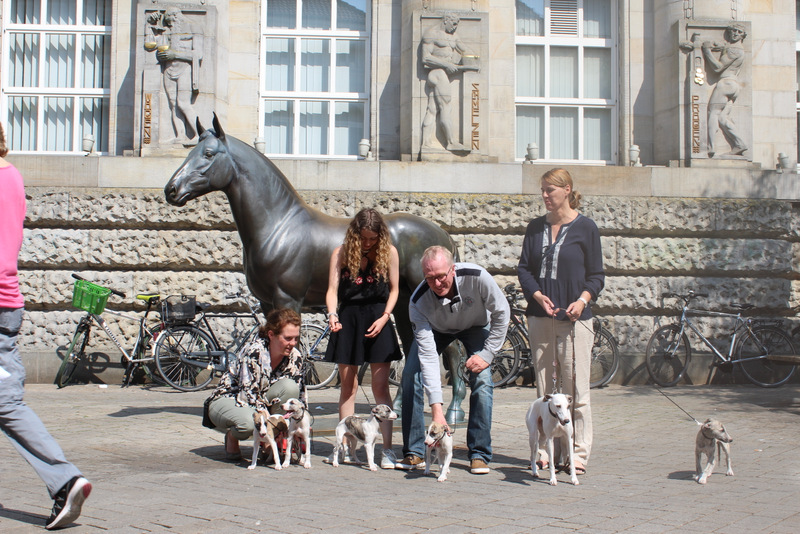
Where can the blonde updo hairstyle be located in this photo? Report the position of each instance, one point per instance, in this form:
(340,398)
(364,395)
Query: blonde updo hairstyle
(562,178)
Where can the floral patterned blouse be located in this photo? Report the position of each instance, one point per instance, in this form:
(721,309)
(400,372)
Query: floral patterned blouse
(251,375)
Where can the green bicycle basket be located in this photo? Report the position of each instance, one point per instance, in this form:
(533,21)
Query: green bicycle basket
(90,297)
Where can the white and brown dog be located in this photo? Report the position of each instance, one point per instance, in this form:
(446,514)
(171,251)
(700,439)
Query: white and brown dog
(299,428)
(267,428)
(712,440)
(439,446)
(354,428)
(550,416)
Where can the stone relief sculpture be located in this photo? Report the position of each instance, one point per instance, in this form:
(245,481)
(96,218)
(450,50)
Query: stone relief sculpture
(726,59)
(444,56)
(179,49)
(720,105)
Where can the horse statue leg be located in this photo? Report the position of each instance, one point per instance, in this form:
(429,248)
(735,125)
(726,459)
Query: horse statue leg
(456,357)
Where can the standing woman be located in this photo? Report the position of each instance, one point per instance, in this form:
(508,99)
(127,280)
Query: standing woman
(561,271)
(362,292)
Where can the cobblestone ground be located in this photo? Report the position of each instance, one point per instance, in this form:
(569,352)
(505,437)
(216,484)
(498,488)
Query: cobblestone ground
(156,469)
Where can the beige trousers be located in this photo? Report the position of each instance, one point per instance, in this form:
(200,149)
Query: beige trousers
(565,348)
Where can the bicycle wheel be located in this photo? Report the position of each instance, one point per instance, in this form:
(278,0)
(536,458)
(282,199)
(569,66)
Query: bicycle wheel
(507,362)
(75,354)
(605,358)
(151,368)
(753,356)
(313,344)
(668,354)
(396,372)
(192,343)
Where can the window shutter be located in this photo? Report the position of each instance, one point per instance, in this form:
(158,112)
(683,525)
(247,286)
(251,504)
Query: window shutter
(564,17)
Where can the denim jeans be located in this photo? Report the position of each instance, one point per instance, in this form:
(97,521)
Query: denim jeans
(18,421)
(479,427)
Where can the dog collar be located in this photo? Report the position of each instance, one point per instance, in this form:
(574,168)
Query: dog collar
(302,413)
(703,431)
(549,409)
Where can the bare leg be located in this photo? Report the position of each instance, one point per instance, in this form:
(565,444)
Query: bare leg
(348,374)
(380,390)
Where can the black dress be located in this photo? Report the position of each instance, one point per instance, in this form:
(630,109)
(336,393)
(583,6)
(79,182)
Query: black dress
(361,302)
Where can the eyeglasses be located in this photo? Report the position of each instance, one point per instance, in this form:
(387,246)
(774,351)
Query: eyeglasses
(438,277)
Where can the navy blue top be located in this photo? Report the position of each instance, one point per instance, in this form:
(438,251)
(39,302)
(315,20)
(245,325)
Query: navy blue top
(564,269)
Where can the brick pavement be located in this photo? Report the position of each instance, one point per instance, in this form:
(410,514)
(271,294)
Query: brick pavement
(156,469)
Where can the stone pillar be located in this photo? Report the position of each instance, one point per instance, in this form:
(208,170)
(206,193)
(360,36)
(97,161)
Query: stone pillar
(715,90)
(176,78)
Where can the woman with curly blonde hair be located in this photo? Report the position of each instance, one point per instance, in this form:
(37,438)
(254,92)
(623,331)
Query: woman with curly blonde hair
(362,292)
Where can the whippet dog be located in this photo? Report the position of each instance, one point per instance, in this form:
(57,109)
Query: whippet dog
(439,445)
(711,440)
(299,428)
(550,416)
(355,428)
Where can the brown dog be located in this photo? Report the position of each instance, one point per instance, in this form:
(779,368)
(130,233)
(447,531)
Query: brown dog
(267,429)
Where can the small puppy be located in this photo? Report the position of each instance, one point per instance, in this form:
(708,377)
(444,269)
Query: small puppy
(711,440)
(266,429)
(550,416)
(299,428)
(438,444)
(355,429)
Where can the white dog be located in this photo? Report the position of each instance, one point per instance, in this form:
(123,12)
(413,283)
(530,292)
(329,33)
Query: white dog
(355,429)
(299,428)
(550,416)
(267,429)
(712,440)
(439,445)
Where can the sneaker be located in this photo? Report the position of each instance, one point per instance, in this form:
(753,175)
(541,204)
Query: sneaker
(329,459)
(478,467)
(67,503)
(411,461)
(388,459)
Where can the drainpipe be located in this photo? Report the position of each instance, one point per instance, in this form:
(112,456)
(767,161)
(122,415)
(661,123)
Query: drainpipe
(627,112)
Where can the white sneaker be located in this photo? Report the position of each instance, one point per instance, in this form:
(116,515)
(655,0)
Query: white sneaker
(388,459)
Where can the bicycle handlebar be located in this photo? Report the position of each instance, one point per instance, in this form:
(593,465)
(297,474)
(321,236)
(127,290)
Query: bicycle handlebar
(114,291)
(687,297)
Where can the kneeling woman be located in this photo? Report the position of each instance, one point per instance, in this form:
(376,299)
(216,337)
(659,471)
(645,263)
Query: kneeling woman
(269,367)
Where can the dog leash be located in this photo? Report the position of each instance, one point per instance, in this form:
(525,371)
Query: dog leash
(656,386)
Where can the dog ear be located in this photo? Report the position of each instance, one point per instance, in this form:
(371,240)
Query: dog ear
(547,397)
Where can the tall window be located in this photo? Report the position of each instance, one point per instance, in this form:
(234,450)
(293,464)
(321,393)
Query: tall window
(566,69)
(55,74)
(315,77)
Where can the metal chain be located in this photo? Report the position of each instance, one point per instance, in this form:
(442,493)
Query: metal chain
(688,9)
(734,9)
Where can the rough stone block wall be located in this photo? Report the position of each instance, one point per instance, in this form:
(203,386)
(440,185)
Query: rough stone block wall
(735,250)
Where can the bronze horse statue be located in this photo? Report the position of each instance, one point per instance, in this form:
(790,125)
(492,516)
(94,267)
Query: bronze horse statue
(286,244)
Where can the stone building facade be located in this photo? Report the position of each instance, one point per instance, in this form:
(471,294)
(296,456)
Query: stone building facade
(680,133)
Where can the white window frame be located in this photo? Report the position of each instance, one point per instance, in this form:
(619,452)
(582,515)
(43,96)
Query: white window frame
(76,92)
(550,40)
(331,97)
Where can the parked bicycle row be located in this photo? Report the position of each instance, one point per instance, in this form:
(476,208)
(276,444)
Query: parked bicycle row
(177,343)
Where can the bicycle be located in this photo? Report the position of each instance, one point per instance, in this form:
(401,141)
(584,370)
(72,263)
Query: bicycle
(92,298)
(188,356)
(516,354)
(763,351)
(318,373)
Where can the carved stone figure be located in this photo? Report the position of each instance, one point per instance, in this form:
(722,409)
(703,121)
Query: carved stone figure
(179,49)
(720,105)
(443,56)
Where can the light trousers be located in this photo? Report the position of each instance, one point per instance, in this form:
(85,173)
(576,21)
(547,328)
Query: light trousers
(564,349)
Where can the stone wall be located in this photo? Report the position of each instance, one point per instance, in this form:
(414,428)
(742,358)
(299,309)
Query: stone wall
(133,241)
